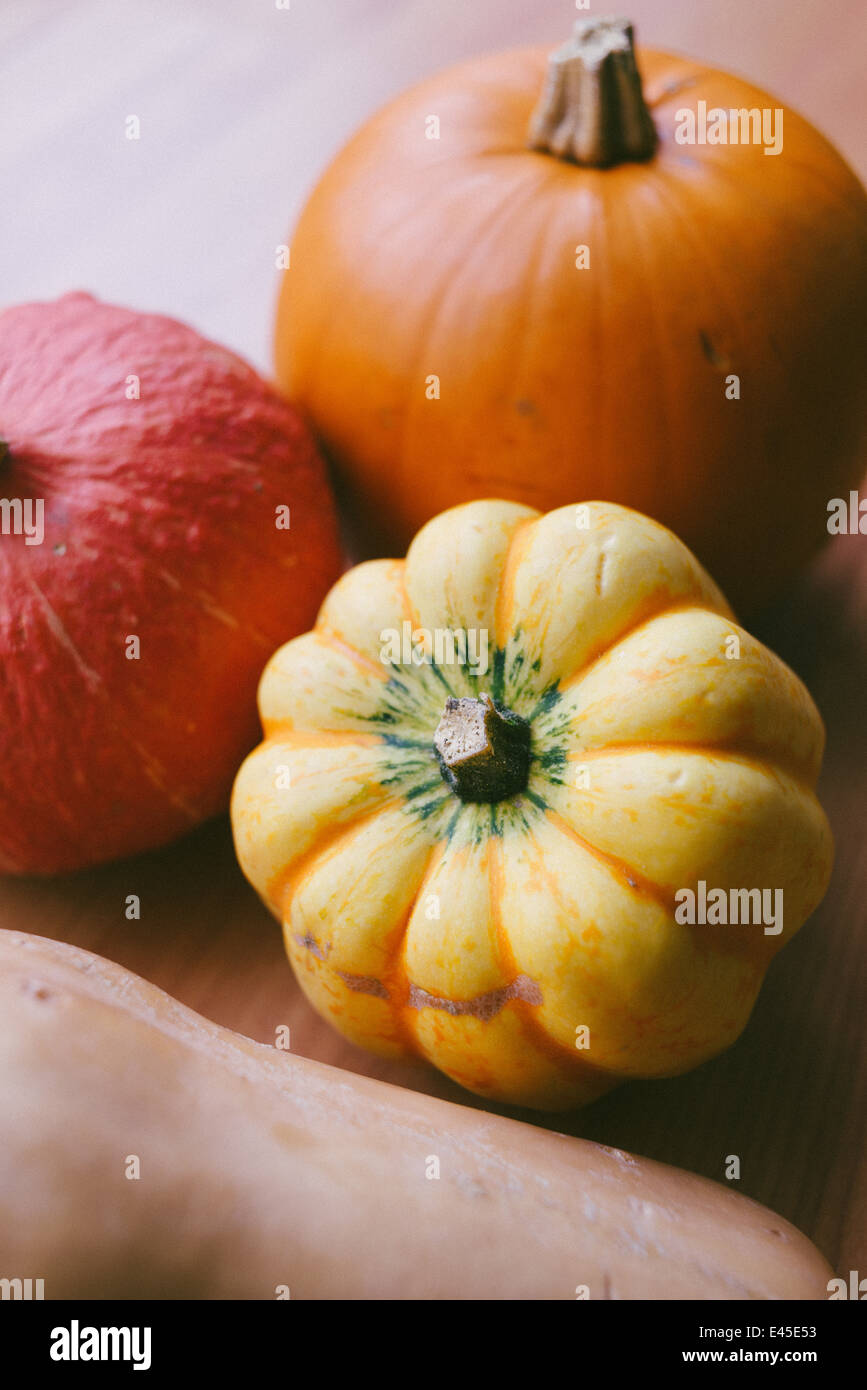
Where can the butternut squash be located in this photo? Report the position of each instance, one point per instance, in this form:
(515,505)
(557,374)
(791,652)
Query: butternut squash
(262,1173)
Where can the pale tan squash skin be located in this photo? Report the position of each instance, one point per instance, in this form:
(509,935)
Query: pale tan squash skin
(260,1169)
(700,767)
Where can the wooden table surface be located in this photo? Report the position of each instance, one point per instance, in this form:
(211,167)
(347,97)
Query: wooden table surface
(240,104)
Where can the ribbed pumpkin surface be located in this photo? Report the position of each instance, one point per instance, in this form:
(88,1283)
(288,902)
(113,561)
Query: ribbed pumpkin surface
(489,937)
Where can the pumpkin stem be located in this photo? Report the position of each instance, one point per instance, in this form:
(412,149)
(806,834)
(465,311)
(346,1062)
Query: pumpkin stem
(592,109)
(484,749)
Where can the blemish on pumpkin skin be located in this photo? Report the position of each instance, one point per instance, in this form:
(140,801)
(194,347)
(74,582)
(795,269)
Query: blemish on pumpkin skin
(601,570)
(364,984)
(312,945)
(624,1160)
(290,1136)
(37,990)
(484,1006)
(470,1186)
(716,359)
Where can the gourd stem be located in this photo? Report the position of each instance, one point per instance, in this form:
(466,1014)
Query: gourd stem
(483,749)
(592,109)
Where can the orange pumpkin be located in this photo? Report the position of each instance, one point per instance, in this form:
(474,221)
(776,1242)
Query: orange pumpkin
(450,341)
